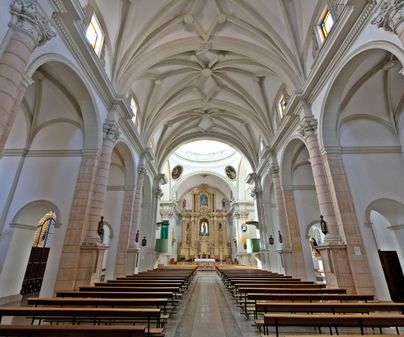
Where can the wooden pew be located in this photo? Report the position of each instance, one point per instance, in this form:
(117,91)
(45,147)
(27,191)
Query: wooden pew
(160,303)
(77,314)
(327,307)
(333,320)
(72,330)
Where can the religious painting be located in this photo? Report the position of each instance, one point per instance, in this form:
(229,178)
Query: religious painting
(230,172)
(203,200)
(176,172)
(204,228)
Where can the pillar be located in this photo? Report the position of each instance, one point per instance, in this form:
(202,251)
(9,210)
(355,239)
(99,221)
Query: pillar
(337,271)
(347,220)
(134,238)
(92,249)
(30,29)
(390,17)
(124,232)
(285,251)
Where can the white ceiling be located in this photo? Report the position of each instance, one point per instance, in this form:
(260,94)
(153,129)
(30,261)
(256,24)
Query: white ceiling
(207,69)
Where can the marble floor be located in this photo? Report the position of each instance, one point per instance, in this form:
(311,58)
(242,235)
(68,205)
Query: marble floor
(208,310)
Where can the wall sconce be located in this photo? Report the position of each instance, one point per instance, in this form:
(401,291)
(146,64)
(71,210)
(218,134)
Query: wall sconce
(245,245)
(280,237)
(271,240)
(244,227)
(144,241)
(323,225)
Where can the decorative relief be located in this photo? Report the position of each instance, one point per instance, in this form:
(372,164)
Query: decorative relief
(30,21)
(111,130)
(308,127)
(390,15)
(176,172)
(230,172)
(274,170)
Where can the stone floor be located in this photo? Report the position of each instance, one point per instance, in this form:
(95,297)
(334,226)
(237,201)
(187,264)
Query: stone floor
(208,310)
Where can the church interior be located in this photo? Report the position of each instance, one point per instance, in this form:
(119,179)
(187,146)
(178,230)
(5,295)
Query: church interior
(201,167)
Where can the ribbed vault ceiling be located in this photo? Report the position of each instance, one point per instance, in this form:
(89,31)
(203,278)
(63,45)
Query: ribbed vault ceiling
(206,68)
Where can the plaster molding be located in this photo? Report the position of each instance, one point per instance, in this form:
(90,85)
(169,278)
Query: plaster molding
(30,21)
(22,226)
(396,228)
(42,153)
(390,15)
(370,149)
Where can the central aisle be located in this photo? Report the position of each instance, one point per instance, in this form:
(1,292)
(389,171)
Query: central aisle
(209,311)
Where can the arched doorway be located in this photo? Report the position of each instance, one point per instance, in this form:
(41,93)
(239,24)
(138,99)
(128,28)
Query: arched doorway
(315,238)
(38,258)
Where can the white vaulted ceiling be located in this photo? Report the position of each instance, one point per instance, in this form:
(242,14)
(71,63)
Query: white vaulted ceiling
(206,68)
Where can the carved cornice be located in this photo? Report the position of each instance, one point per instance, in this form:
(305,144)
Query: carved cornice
(30,21)
(390,15)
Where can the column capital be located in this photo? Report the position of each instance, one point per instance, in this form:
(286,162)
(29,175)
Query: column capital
(30,21)
(111,130)
(274,170)
(390,15)
(157,192)
(308,126)
(141,170)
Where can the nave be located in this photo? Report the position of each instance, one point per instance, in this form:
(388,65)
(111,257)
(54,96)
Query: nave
(182,301)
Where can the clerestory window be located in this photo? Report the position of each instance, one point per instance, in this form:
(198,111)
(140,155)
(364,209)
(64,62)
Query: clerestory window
(95,35)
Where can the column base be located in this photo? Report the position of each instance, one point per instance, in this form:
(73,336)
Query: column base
(286,259)
(90,267)
(336,265)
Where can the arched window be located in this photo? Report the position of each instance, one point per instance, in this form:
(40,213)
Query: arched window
(95,35)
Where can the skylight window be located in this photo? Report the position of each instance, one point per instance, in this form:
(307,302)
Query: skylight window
(282,105)
(326,24)
(95,35)
(133,106)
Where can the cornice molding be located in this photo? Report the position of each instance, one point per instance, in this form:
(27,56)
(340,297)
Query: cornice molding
(46,153)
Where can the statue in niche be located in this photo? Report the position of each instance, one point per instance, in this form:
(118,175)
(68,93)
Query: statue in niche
(204,229)
(187,239)
(204,200)
(187,229)
(220,226)
(223,203)
(184,203)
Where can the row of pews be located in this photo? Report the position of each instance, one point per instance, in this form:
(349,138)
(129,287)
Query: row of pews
(135,305)
(277,301)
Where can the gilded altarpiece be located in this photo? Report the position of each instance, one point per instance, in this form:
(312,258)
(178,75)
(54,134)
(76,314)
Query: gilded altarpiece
(204,229)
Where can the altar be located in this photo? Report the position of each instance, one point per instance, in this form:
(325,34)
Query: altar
(205,264)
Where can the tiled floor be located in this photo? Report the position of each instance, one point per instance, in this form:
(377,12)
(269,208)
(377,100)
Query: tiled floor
(208,310)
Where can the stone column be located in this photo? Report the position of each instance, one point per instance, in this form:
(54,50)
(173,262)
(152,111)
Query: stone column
(390,17)
(30,29)
(286,248)
(124,232)
(333,252)
(69,260)
(347,220)
(134,238)
(92,248)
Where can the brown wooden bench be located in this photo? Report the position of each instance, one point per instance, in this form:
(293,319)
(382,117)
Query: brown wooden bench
(333,320)
(95,315)
(72,330)
(328,307)
(159,303)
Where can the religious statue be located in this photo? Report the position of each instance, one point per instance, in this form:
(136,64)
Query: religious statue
(101,229)
(204,230)
(315,252)
(184,203)
(204,200)
(223,203)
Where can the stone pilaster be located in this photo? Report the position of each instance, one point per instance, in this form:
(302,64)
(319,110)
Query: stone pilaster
(134,238)
(285,251)
(298,266)
(390,17)
(69,261)
(337,271)
(346,217)
(30,30)
(124,232)
(92,249)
